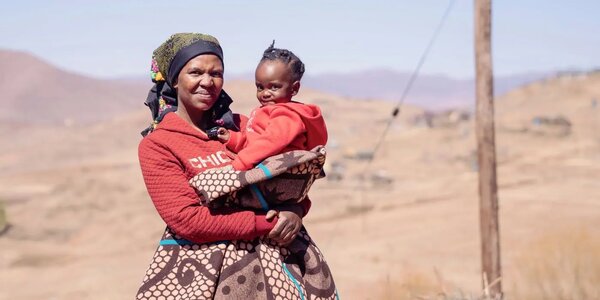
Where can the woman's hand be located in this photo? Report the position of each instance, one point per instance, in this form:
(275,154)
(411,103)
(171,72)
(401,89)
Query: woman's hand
(288,225)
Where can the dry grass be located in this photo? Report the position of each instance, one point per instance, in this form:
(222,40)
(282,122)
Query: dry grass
(3,221)
(559,266)
(32,260)
(417,285)
(411,285)
(563,265)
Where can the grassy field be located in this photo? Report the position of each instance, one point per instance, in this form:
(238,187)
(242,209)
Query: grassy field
(564,265)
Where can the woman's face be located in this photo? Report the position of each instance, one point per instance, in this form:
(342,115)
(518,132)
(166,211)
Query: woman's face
(200,82)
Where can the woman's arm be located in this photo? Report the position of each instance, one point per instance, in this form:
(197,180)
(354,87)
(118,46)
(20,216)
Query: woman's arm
(305,205)
(178,205)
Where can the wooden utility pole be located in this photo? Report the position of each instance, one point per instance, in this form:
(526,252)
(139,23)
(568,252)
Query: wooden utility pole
(486,150)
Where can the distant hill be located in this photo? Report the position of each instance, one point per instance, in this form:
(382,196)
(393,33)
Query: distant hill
(429,91)
(574,97)
(33,91)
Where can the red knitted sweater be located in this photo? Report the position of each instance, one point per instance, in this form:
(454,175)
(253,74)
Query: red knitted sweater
(277,128)
(173,154)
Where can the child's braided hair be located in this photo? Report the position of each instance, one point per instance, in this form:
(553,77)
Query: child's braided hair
(287,57)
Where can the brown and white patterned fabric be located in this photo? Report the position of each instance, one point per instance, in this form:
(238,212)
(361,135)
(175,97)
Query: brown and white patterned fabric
(285,177)
(257,269)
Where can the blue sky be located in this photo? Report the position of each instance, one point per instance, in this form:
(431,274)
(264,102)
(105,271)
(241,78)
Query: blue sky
(116,38)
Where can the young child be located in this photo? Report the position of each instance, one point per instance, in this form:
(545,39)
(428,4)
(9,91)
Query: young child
(279,124)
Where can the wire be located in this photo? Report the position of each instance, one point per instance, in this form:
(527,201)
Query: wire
(397,110)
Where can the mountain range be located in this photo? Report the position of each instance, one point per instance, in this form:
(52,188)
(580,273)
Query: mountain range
(434,92)
(36,92)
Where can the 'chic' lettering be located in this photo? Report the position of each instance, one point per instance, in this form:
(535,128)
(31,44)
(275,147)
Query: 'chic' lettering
(211,160)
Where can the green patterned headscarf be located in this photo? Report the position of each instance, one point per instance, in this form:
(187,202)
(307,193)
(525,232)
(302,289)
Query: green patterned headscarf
(167,61)
(170,57)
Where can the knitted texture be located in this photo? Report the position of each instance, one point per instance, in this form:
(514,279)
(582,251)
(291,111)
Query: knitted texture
(169,157)
(278,128)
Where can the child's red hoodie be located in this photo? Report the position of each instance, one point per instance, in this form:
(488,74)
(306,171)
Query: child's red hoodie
(277,128)
(169,157)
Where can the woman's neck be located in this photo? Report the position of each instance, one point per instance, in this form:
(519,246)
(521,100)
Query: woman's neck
(196,119)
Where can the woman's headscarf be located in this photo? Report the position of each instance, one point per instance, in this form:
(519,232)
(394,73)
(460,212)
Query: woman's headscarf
(167,61)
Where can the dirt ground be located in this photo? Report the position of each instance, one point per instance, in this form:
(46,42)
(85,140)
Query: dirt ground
(83,227)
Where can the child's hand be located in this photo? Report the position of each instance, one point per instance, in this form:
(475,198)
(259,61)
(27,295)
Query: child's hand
(271,214)
(223,135)
(288,225)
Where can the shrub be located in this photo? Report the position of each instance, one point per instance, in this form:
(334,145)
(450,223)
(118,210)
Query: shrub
(3,222)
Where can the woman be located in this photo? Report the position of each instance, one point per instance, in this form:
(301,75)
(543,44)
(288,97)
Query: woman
(223,253)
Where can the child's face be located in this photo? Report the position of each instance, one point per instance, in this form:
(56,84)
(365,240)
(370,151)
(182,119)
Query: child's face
(274,83)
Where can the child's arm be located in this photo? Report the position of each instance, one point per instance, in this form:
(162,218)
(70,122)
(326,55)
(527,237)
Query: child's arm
(282,128)
(233,140)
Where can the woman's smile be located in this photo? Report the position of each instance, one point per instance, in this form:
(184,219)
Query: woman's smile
(203,93)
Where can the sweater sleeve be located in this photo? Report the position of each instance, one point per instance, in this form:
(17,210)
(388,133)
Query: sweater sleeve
(177,202)
(236,140)
(306,204)
(281,129)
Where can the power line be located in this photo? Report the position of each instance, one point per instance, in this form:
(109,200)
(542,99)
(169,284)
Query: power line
(396,110)
(410,83)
